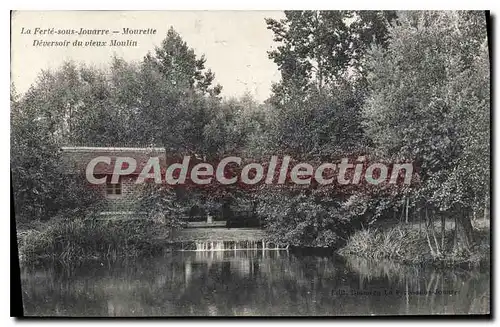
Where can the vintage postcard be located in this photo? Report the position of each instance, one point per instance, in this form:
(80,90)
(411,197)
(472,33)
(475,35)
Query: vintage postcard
(251,163)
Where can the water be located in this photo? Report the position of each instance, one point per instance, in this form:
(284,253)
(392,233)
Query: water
(249,282)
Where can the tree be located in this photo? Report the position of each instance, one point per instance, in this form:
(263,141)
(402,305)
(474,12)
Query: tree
(180,67)
(165,100)
(315,111)
(322,49)
(429,104)
(321,57)
(39,185)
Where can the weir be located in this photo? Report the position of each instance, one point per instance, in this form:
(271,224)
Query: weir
(202,239)
(229,245)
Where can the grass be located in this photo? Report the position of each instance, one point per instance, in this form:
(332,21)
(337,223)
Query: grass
(69,239)
(72,239)
(408,244)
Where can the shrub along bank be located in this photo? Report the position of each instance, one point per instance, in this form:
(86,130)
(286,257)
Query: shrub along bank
(410,245)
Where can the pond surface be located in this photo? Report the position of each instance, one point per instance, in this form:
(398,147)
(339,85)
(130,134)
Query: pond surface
(249,282)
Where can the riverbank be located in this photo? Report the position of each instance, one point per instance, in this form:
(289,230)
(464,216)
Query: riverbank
(110,238)
(82,239)
(408,244)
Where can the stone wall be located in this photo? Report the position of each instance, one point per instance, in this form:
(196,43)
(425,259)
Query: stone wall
(74,160)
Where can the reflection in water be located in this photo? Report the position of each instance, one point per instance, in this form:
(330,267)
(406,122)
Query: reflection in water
(252,282)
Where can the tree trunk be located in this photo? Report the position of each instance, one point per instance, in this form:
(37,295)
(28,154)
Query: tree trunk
(474,207)
(431,225)
(455,234)
(429,242)
(427,226)
(420,224)
(319,75)
(402,213)
(463,229)
(438,251)
(443,230)
(486,214)
(466,228)
(406,219)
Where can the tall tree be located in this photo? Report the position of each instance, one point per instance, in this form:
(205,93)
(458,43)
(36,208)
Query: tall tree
(180,66)
(429,102)
(321,49)
(165,100)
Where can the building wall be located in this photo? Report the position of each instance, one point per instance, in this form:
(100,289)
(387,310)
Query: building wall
(75,160)
(126,201)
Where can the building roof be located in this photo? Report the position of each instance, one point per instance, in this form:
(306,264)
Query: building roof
(76,159)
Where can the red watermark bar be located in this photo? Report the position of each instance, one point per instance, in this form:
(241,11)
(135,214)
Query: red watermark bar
(233,170)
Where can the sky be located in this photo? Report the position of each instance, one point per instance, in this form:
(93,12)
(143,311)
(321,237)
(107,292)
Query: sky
(235,43)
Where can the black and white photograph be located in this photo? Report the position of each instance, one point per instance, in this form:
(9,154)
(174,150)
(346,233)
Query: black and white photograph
(294,163)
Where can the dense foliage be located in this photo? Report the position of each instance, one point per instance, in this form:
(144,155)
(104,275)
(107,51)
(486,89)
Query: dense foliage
(407,87)
(400,86)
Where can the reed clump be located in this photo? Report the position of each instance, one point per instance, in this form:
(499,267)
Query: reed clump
(92,238)
(408,245)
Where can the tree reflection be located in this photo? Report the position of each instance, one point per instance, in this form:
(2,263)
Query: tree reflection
(250,283)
